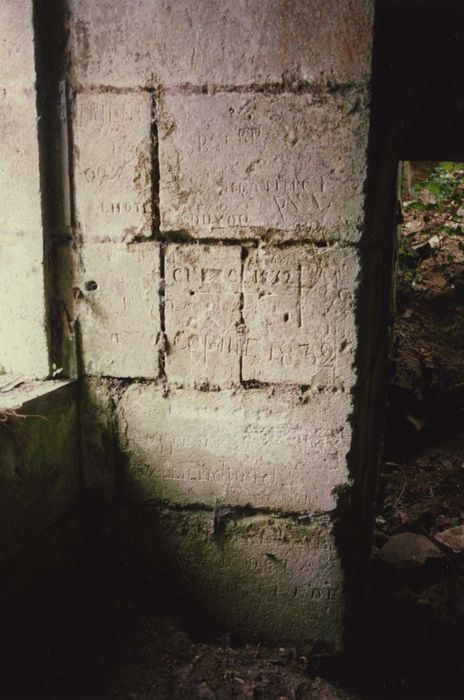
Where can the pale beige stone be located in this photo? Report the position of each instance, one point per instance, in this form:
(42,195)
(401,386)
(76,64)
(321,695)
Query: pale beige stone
(203,315)
(299,314)
(17,68)
(23,336)
(119,318)
(275,578)
(280,450)
(291,163)
(240,42)
(20,209)
(113,166)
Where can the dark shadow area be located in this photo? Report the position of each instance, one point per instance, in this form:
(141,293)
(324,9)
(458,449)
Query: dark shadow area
(410,634)
(116,633)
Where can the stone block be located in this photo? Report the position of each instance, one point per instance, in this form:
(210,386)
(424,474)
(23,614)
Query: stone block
(97,437)
(283,450)
(119,312)
(24,343)
(274,579)
(39,470)
(223,42)
(19,163)
(299,314)
(290,163)
(112,166)
(17,66)
(203,315)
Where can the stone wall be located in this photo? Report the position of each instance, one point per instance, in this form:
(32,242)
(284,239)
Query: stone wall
(24,341)
(219,163)
(189,223)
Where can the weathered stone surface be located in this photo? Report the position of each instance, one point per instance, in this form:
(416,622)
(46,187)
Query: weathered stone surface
(97,438)
(119,312)
(409,550)
(151,42)
(17,69)
(282,450)
(257,577)
(113,166)
(24,347)
(39,470)
(299,315)
(203,315)
(293,163)
(19,164)
(23,337)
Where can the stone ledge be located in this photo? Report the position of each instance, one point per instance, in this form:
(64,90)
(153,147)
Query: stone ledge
(17,391)
(39,469)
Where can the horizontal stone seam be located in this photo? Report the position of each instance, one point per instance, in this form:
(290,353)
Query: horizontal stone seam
(245,386)
(296,87)
(270,239)
(234,512)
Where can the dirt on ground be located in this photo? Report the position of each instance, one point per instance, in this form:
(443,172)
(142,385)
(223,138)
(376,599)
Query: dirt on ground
(418,571)
(112,643)
(423,473)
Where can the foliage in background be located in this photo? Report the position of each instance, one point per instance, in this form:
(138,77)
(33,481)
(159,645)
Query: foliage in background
(434,212)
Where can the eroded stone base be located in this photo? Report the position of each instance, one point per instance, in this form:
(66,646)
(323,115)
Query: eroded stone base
(257,576)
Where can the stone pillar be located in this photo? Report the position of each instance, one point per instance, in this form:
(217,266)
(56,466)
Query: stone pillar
(24,344)
(220,162)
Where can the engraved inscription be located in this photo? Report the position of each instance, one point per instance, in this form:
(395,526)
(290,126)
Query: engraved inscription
(219,42)
(112,166)
(296,566)
(236,447)
(290,163)
(299,315)
(203,315)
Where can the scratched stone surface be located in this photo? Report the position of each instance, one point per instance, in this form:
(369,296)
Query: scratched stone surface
(160,42)
(275,578)
(112,166)
(299,315)
(290,163)
(119,309)
(284,450)
(203,315)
